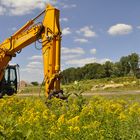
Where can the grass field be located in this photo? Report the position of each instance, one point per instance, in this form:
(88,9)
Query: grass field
(92,86)
(109,117)
(106,84)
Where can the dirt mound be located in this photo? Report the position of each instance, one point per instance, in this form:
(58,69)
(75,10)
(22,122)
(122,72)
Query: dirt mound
(23,84)
(106,86)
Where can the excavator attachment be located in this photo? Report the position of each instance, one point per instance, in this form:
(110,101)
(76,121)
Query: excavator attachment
(9,83)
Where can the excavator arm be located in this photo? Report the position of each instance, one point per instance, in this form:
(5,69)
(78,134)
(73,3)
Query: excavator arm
(48,31)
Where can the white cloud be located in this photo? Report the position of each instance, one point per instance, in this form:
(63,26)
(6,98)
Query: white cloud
(77,50)
(33,66)
(81,40)
(72,53)
(31,74)
(70,56)
(66,31)
(138,27)
(120,29)
(33,71)
(93,51)
(36,57)
(102,61)
(83,61)
(66,6)
(22,7)
(14,29)
(12,63)
(2,10)
(63,19)
(36,65)
(87,31)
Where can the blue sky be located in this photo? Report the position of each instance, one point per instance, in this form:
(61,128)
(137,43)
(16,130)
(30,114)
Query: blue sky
(93,31)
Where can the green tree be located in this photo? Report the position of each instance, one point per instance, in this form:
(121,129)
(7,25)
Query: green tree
(68,75)
(124,65)
(94,71)
(108,67)
(134,62)
(35,83)
(117,72)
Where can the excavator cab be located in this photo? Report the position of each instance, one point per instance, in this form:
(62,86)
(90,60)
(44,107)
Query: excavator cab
(9,83)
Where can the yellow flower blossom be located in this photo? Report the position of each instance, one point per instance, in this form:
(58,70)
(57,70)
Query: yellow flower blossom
(1,127)
(75,129)
(122,116)
(53,117)
(74,120)
(61,119)
(92,125)
(134,108)
(98,118)
(45,114)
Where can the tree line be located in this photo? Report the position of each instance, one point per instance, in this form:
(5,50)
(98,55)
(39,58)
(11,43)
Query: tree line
(127,65)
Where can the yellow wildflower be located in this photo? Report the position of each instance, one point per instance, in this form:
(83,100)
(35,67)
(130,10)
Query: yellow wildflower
(74,129)
(74,120)
(134,108)
(1,127)
(122,116)
(92,125)
(61,119)
(45,114)
(53,117)
(51,133)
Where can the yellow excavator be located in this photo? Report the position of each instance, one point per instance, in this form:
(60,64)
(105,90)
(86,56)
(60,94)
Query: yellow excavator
(48,33)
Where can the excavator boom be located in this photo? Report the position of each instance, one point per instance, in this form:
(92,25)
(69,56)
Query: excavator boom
(48,31)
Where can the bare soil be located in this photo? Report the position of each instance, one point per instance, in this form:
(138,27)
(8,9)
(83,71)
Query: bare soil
(103,93)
